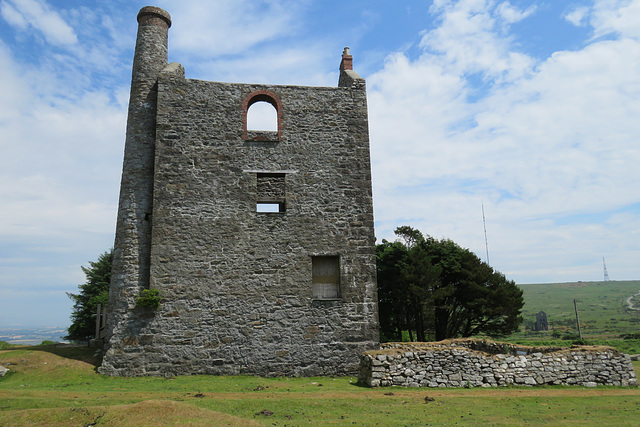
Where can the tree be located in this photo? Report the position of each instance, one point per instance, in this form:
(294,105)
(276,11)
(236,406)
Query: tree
(428,285)
(393,299)
(95,291)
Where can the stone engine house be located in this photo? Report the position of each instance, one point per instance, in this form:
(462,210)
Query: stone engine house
(260,243)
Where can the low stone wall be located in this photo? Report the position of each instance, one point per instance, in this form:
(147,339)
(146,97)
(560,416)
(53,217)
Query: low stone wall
(481,363)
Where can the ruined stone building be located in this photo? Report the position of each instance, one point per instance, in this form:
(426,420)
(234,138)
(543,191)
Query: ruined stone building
(541,321)
(260,243)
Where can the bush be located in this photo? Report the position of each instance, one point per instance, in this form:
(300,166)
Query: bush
(5,345)
(570,337)
(149,298)
(635,336)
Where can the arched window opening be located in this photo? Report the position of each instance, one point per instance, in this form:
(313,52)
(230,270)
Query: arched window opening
(262,116)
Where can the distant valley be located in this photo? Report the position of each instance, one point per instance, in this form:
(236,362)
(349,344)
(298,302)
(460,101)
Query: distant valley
(32,336)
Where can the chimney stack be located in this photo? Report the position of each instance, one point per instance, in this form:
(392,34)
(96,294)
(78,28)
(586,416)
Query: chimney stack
(132,247)
(347,60)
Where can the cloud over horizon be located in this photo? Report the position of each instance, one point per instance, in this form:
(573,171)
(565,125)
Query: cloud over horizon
(537,141)
(529,108)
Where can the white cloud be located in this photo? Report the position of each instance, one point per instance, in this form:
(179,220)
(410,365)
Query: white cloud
(62,125)
(468,41)
(545,147)
(616,17)
(15,91)
(512,15)
(293,65)
(51,151)
(38,14)
(60,140)
(12,16)
(577,16)
(227,27)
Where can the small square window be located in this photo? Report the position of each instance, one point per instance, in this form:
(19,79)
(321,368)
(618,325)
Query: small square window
(325,275)
(270,192)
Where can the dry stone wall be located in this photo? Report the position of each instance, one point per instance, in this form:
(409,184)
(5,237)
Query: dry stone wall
(469,363)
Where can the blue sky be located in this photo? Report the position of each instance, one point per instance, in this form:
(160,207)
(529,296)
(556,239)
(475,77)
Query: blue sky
(530,108)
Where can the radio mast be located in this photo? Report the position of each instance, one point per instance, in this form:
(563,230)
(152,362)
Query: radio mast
(484,224)
(606,275)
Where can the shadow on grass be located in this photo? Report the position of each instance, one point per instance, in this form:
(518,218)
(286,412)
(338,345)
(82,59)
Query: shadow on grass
(81,353)
(360,385)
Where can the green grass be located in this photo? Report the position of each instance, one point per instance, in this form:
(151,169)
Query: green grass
(602,309)
(625,346)
(601,306)
(5,345)
(53,385)
(603,313)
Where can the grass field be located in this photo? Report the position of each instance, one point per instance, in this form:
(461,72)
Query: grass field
(604,315)
(58,386)
(602,306)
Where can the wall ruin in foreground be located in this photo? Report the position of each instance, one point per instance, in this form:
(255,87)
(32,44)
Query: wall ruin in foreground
(479,363)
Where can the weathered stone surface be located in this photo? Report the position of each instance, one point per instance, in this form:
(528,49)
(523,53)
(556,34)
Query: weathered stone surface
(474,363)
(236,284)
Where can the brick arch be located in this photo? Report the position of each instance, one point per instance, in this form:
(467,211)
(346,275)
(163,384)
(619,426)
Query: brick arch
(258,96)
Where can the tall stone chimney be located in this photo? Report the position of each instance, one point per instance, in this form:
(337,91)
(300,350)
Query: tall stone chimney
(132,248)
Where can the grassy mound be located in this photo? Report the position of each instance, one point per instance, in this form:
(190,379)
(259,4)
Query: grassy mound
(145,413)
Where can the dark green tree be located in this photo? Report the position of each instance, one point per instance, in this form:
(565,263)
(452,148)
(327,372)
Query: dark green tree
(406,279)
(393,298)
(443,290)
(95,291)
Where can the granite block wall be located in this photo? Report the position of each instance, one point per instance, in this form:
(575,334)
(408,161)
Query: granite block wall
(471,363)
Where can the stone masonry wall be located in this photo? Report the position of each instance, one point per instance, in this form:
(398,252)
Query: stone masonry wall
(237,284)
(470,363)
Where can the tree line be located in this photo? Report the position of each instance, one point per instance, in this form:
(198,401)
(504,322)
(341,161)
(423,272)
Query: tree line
(436,289)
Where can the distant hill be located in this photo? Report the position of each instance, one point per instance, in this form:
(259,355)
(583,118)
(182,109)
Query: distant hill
(602,306)
(31,336)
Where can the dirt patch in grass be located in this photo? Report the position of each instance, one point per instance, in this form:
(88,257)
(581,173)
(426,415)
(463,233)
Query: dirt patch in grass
(147,413)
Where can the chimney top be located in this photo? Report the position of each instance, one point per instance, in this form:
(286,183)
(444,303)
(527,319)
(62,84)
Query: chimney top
(151,15)
(347,60)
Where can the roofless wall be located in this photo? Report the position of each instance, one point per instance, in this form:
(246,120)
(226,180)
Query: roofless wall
(260,243)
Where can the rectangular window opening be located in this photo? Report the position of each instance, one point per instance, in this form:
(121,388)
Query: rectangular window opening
(325,277)
(269,207)
(270,192)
